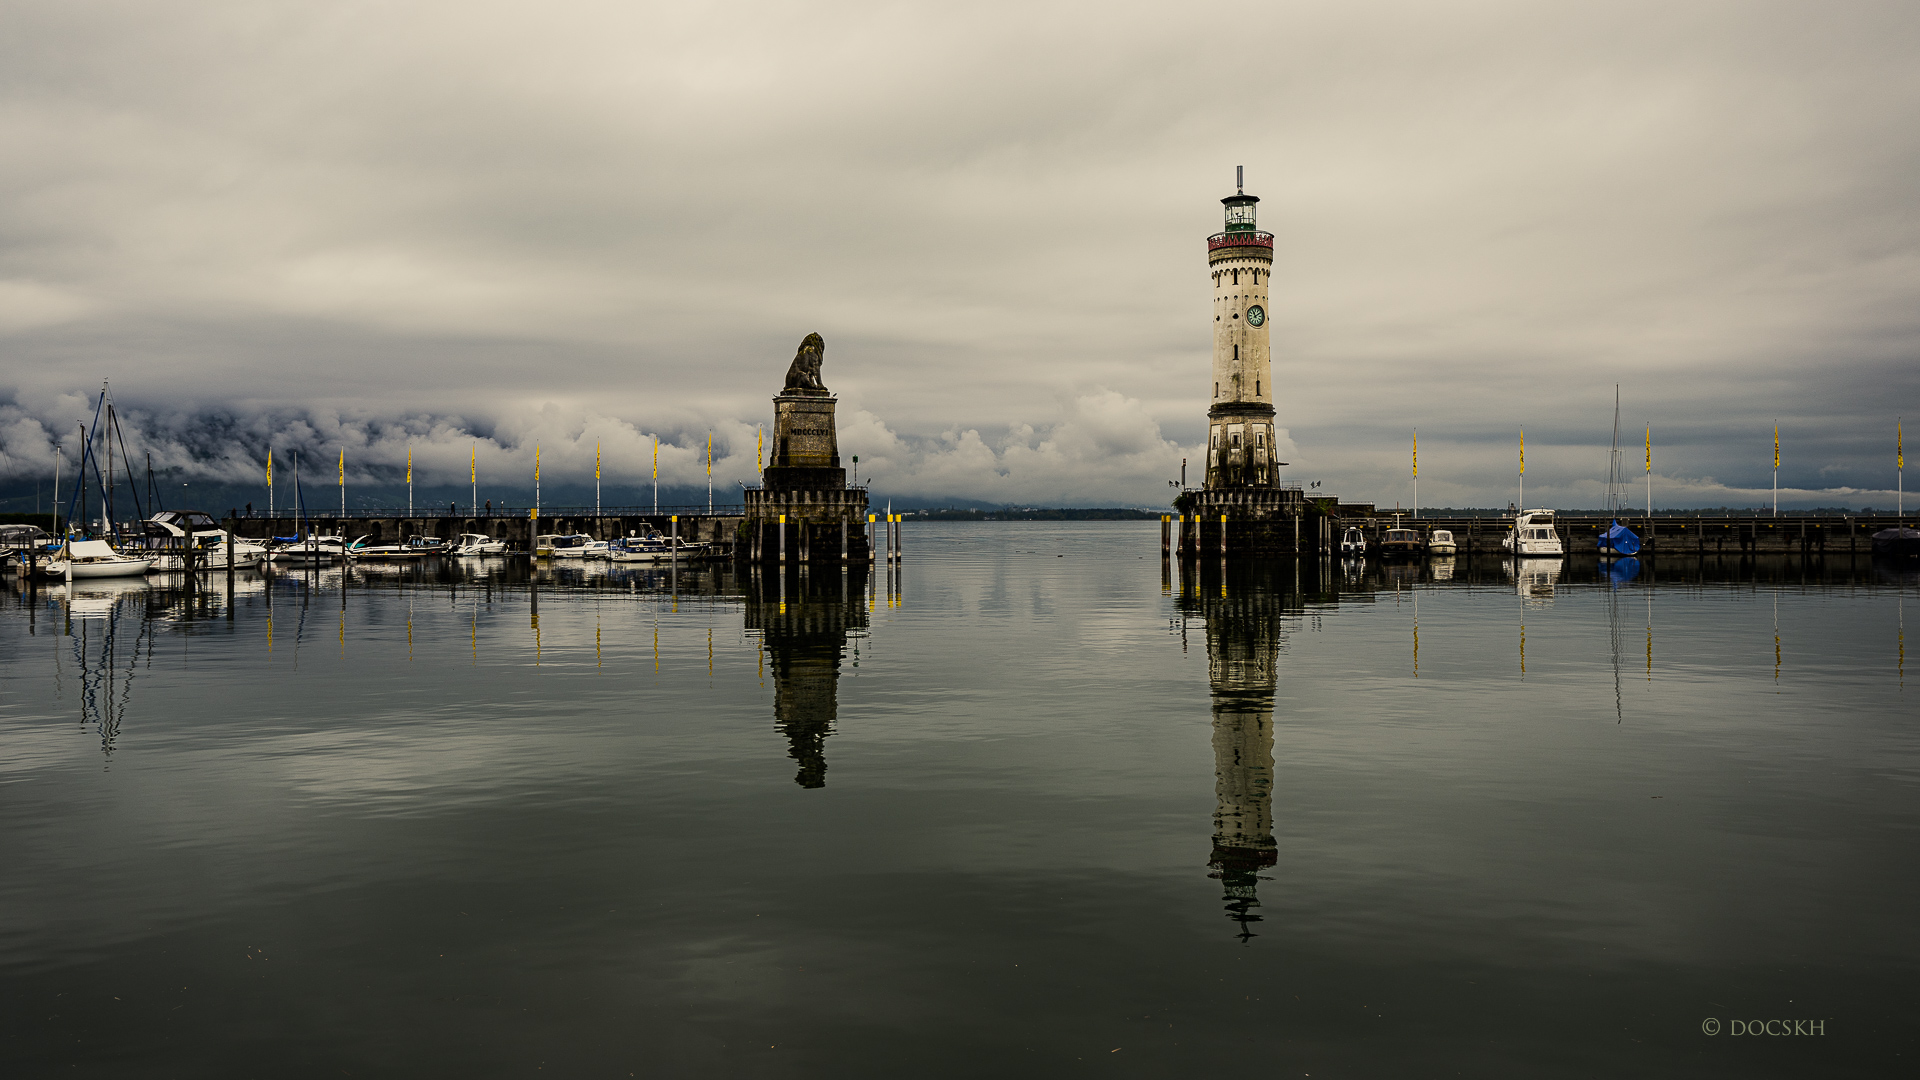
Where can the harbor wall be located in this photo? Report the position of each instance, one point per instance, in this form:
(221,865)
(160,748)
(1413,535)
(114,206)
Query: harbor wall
(1662,534)
(1315,532)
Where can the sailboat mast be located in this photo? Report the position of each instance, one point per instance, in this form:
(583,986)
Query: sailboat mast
(1613,462)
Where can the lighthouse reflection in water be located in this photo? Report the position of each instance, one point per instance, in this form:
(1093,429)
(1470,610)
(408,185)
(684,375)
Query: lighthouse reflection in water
(1242,606)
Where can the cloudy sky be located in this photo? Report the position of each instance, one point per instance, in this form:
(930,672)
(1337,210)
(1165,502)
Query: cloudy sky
(372,225)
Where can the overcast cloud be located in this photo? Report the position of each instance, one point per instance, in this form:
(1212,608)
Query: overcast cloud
(480,224)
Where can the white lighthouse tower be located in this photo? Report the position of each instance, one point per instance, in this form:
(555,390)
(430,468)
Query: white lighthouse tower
(1240,421)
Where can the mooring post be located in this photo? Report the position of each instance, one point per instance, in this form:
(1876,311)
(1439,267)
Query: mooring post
(1166,537)
(843,539)
(1223,535)
(899,547)
(783,539)
(673,545)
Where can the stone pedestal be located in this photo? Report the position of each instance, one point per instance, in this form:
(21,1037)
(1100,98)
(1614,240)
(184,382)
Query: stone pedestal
(1259,521)
(805,484)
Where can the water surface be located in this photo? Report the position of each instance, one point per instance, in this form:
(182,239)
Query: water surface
(1034,804)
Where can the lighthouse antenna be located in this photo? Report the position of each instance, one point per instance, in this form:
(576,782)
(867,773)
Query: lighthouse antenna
(1240,178)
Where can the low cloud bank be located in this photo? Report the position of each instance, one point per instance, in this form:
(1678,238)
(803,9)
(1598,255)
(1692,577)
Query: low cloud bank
(1101,448)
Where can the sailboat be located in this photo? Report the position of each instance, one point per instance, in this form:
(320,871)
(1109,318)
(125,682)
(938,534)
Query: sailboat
(1616,539)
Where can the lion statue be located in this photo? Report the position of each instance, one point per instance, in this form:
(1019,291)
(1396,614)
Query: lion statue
(804,374)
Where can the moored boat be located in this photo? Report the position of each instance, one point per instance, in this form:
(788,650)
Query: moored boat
(94,559)
(416,547)
(168,533)
(566,546)
(1441,542)
(1897,542)
(652,547)
(1401,544)
(311,550)
(1533,535)
(477,544)
(1617,539)
(1353,542)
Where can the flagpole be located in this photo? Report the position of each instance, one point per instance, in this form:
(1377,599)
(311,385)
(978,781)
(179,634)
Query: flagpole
(656,474)
(56,494)
(596,479)
(1776,469)
(709,472)
(1416,474)
(1523,489)
(1649,473)
(409,481)
(1900,464)
(343,492)
(473,476)
(536,481)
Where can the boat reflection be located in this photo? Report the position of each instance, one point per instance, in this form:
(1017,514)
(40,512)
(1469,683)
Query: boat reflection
(803,620)
(1534,579)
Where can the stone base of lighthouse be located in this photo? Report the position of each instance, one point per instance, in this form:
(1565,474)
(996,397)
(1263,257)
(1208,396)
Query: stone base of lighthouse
(803,511)
(1218,522)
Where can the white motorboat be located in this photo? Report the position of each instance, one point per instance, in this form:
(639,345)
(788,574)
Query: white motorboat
(1533,535)
(568,546)
(312,551)
(1353,542)
(1441,542)
(477,544)
(19,544)
(168,531)
(416,547)
(94,559)
(654,548)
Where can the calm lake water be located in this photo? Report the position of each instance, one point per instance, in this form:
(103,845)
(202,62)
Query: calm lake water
(1032,806)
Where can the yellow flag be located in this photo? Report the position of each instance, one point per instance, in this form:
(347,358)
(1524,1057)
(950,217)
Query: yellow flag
(709,453)
(596,461)
(473,464)
(1416,453)
(343,468)
(1899,447)
(269,466)
(1776,446)
(759,443)
(1523,451)
(409,464)
(536,463)
(656,457)
(1649,447)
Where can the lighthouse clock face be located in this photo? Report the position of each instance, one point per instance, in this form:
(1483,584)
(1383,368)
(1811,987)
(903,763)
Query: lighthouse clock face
(1256,316)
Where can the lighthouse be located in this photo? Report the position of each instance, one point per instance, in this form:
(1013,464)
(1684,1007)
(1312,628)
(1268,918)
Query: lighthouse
(1240,420)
